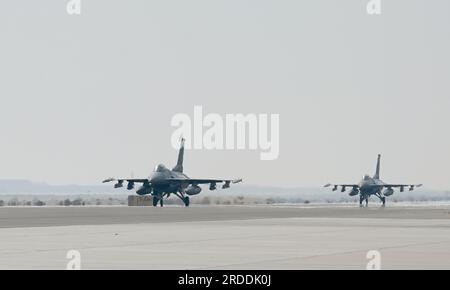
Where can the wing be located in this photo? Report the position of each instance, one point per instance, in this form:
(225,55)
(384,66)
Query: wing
(212,182)
(402,186)
(126,179)
(343,186)
(131,181)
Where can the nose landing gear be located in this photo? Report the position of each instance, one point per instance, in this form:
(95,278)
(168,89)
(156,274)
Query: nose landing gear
(361,199)
(157,198)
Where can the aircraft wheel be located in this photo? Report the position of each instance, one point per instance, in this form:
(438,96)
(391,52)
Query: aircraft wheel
(383,199)
(161,202)
(186,201)
(155,200)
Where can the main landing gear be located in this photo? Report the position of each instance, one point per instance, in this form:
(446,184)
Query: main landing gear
(160,198)
(184,198)
(382,199)
(366,198)
(186,201)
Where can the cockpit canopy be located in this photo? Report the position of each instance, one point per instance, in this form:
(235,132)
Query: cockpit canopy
(366,177)
(160,168)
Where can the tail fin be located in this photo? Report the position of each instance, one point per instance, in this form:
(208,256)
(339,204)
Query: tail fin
(377,173)
(179,166)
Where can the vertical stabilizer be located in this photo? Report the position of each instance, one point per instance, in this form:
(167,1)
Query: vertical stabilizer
(377,172)
(179,166)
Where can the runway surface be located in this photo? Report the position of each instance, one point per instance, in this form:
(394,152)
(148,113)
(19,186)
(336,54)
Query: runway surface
(11,217)
(225,237)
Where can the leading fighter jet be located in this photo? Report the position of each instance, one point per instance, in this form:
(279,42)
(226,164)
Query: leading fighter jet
(373,186)
(164,182)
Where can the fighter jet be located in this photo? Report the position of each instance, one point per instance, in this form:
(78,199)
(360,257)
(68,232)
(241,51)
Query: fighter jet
(373,186)
(163,182)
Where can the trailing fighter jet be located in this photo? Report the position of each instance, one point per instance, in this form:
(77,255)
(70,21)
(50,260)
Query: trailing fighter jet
(373,186)
(164,182)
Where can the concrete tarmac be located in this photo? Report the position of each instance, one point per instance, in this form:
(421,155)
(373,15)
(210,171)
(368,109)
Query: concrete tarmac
(225,237)
(11,217)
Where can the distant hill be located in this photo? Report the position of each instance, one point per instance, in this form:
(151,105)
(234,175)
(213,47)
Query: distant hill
(320,194)
(28,187)
(278,194)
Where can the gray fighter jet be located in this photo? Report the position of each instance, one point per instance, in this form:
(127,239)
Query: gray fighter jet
(373,186)
(164,182)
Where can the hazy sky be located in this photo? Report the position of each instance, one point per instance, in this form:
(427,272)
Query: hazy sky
(92,96)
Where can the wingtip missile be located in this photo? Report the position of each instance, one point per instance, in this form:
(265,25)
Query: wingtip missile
(108,180)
